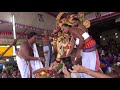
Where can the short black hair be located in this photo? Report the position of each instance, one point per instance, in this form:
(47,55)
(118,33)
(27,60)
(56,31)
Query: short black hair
(66,25)
(31,34)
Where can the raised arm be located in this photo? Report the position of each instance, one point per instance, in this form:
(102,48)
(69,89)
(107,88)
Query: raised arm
(76,32)
(81,69)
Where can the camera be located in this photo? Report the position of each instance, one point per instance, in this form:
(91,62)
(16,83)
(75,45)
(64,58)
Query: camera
(68,62)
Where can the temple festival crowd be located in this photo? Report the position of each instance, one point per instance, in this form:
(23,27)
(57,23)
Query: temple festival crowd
(73,47)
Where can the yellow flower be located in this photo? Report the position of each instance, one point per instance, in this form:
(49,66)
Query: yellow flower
(59,39)
(42,73)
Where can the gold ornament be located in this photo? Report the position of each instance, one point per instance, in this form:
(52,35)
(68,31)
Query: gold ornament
(86,23)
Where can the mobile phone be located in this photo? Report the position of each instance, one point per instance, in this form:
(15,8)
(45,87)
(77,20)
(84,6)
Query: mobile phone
(68,62)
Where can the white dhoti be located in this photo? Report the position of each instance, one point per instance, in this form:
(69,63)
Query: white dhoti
(89,60)
(47,55)
(75,75)
(23,65)
(36,64)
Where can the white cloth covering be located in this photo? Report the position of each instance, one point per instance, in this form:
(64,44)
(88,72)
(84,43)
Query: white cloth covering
(47,55)
(85,35)
(24,66)
(89,61)
(75,75)
(77,41)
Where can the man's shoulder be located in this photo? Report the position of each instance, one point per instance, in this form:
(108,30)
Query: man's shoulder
(75,29)
(24,44)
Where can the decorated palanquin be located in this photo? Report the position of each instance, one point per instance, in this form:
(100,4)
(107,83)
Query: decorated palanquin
(63,45)
(60,49)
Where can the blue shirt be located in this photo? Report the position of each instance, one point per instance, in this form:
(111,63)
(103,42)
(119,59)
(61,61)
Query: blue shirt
(107,64)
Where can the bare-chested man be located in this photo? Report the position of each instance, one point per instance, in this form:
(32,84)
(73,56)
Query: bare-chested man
(27,57)
(47,48)
(87,44)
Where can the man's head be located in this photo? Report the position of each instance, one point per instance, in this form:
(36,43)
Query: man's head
(65,28)
(33,37)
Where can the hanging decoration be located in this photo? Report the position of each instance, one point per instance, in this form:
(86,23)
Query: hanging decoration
(7,34)
(17,25)
(9,41)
